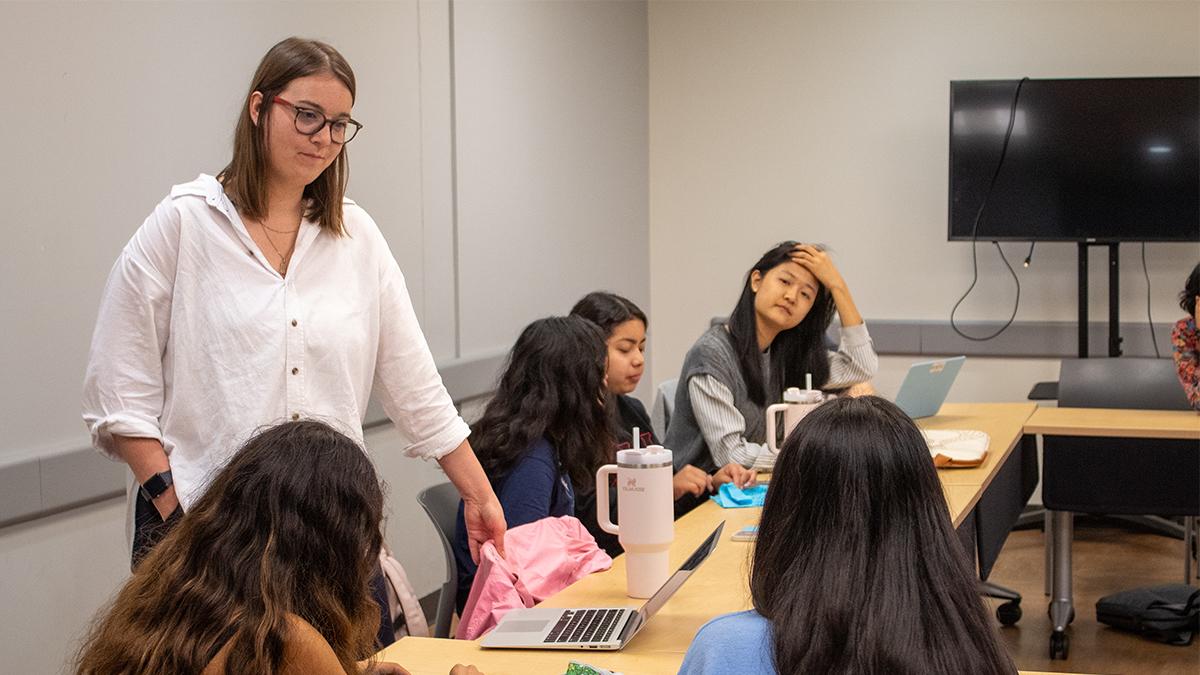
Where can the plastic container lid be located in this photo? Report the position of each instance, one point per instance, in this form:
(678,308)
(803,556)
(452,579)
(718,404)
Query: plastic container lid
(797,395)
(647,457)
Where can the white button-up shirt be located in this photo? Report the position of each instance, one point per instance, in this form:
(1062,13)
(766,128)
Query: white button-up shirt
(200,342)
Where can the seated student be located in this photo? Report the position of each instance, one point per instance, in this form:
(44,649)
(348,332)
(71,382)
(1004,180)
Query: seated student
(624,325)
(1185,340)
(857,568)
(774,337)
(545,431)
(269,572)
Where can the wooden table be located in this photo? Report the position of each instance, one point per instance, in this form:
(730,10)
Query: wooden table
(1096,423)
(718,587)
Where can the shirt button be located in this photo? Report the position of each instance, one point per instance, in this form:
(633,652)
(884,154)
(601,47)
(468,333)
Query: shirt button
(295,416)
(250,253)
(295,323)
(295,371)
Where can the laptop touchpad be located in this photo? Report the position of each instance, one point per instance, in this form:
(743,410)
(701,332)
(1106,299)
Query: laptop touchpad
(518,626)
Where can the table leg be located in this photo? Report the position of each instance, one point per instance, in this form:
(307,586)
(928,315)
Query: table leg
(1048,548)
(1189,532)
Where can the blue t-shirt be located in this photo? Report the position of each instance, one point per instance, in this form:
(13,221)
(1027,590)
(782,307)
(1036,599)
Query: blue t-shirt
(535,488)
(731,643)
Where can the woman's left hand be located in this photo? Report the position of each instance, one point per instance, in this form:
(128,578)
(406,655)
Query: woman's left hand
(819,263)
(383,668)
(734,473)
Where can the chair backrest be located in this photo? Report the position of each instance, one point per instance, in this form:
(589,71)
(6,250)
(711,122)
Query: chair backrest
(1125,382)
(664,405)
(441,504)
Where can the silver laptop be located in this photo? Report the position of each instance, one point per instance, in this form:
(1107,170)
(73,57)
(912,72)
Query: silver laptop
(591,627)
(925,387)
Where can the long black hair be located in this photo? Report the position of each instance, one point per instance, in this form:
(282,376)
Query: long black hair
(608,310)
(1191,289)
(290,526)
(856,565)
(552,388)
(795,351)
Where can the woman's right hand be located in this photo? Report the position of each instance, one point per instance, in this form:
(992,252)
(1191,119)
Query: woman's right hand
(460,669)
(690,480)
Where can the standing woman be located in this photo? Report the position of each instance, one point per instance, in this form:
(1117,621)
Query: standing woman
(262,295)
(774,337)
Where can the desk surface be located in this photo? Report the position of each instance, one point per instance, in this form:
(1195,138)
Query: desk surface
(1181,424)
(718,587)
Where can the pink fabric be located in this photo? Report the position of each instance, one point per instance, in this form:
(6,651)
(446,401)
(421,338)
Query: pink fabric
(543,558)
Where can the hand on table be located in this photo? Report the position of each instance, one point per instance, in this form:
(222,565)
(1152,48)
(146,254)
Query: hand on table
(384,668)
(690,480)
(734,473)
(460,669)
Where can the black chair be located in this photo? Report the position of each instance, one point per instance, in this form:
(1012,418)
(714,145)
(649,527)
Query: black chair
(1115,476)
(441,504)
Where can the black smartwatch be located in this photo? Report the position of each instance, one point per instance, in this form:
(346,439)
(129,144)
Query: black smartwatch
(156,485)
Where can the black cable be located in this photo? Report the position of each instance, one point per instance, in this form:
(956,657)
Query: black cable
(1012,118)
(1150,321)
(1029,258)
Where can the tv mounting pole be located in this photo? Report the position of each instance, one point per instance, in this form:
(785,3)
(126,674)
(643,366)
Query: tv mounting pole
(1114,299)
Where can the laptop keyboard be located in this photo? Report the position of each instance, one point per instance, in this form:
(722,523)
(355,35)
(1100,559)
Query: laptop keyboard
(584,625)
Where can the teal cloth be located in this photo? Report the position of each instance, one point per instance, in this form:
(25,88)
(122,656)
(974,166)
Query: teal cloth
(730,496)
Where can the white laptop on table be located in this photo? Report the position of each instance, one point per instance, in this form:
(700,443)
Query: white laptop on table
(926,385)
(608,628)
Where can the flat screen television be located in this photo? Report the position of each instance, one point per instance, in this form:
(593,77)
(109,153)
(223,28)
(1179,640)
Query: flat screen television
(1093,160)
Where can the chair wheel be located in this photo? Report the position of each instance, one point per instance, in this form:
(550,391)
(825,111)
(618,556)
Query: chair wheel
(1050,615)
(1009,613)
(1059,646)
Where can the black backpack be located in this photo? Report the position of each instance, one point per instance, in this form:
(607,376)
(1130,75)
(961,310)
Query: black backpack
(1169,613)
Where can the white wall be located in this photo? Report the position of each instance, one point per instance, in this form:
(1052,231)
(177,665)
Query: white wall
(111,103)
(828,122)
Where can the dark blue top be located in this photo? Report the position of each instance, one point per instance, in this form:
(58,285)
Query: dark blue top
(536,487)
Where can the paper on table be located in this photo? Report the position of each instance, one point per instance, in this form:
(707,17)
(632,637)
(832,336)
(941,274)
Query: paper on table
(956,448)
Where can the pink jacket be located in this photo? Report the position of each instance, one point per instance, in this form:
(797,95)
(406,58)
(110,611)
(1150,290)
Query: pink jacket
(542,558)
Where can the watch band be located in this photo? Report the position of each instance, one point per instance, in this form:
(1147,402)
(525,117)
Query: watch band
(156,485)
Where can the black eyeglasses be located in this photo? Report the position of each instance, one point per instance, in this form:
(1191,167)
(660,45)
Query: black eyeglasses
(311,122)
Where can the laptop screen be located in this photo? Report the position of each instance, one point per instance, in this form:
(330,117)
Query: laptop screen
(689,566)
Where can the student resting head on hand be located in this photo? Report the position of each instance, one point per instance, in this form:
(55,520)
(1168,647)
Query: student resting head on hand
(773,339)
(1185,340)
(856,568)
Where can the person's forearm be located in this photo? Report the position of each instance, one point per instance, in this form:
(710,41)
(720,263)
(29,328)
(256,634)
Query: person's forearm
(463,469)
(845,306)
(146,457)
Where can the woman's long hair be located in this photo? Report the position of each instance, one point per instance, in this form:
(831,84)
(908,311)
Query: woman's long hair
(291,526)
(245,179)
(552,388)
(857,565)
(795,351)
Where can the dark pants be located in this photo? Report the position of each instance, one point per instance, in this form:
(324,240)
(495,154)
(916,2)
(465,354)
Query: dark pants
(149,528)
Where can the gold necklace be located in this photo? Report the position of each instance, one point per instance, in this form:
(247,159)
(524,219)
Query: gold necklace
(283,260)
(264,226)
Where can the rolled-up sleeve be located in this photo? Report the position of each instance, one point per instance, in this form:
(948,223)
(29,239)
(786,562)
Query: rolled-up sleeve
(123,384)
(406,379)
(721,424)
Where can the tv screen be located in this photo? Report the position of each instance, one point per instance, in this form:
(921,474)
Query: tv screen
(1103,160)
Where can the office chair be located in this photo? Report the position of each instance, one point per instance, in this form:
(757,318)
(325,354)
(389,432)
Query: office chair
(1116,476)
(664,405)
(441,504)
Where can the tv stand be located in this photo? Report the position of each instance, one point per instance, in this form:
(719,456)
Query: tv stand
(1114,298)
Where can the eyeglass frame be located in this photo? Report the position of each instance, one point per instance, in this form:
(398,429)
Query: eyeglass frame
(326,121)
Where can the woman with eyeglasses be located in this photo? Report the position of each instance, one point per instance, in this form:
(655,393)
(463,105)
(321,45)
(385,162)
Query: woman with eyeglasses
(262,295)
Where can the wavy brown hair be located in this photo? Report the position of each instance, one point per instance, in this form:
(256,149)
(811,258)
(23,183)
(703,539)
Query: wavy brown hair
(245,179)
(291,526)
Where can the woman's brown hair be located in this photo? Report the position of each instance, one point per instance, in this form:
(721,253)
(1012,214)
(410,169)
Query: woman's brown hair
(245,179)
(290,527)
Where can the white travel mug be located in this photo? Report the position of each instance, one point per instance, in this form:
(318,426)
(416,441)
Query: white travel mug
(647,513)
(796,404)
